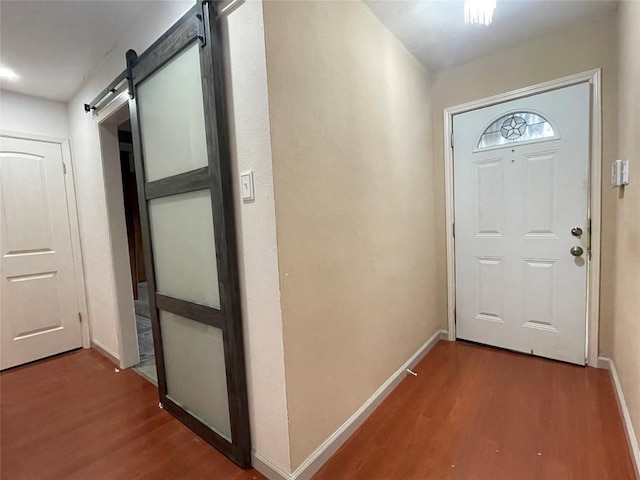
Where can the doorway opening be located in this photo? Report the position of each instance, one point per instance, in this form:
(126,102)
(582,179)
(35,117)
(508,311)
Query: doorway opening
(132,316)
(139,288)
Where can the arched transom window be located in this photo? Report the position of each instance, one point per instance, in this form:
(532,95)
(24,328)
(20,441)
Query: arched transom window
(516,127)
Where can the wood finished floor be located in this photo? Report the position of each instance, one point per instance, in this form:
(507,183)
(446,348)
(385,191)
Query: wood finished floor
(73,417)
(479,413)
(471,413)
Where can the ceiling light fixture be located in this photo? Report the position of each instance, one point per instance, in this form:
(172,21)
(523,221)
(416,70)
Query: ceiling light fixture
(479,12)
(6,72)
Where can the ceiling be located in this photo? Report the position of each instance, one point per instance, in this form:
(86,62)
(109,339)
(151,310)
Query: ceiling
(434,31)
(55,45)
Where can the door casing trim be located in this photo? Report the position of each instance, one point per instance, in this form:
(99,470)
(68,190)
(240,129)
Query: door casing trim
(107,117)
(594,78)
(74,223)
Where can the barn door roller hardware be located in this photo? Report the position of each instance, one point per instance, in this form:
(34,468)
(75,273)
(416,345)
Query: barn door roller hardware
(112,88)
(200,15)
(131,57)
(201,11)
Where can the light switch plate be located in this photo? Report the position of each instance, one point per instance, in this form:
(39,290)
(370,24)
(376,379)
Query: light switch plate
(625,172)
(620,173)
(246,186)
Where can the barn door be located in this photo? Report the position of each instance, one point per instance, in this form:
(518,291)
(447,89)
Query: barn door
(185,196)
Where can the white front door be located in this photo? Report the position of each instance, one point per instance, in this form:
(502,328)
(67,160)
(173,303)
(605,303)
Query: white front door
(38,301)
(521,176)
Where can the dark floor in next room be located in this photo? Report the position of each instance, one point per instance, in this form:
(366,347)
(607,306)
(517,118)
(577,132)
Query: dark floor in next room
(147,365)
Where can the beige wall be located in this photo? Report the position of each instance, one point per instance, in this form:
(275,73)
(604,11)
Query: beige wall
(352,159)
(576,50)
(625,348)
(250,140)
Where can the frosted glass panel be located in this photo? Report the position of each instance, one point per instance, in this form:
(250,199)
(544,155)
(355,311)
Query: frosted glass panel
(184,251)
(195,370)
(172,117)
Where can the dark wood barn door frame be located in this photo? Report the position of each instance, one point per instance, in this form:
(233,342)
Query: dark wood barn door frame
(199,25)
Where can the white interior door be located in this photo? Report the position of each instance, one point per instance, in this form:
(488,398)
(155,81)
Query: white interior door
(38,301)
(521,176)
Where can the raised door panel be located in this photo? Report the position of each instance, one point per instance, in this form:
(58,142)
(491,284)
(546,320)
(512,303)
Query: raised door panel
(24,194)
(540,294)
(489,198)
(34,301)
(541,185)
(490,289)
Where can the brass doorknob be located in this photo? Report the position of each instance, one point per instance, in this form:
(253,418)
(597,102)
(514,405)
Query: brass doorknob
(576,251)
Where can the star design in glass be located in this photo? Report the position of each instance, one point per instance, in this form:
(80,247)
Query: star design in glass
(513,128)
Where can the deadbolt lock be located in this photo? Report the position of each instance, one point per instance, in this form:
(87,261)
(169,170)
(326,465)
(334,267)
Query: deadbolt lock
(576,251)
(576,231)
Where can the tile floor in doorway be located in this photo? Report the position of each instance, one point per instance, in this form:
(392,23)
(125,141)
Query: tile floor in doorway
(147,365)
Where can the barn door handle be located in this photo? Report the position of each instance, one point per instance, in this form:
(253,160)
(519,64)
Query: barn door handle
(576,251)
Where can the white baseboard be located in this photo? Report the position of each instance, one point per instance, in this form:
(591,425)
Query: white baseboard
(106,351)
(607,363)
(268,469)
(319,457)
